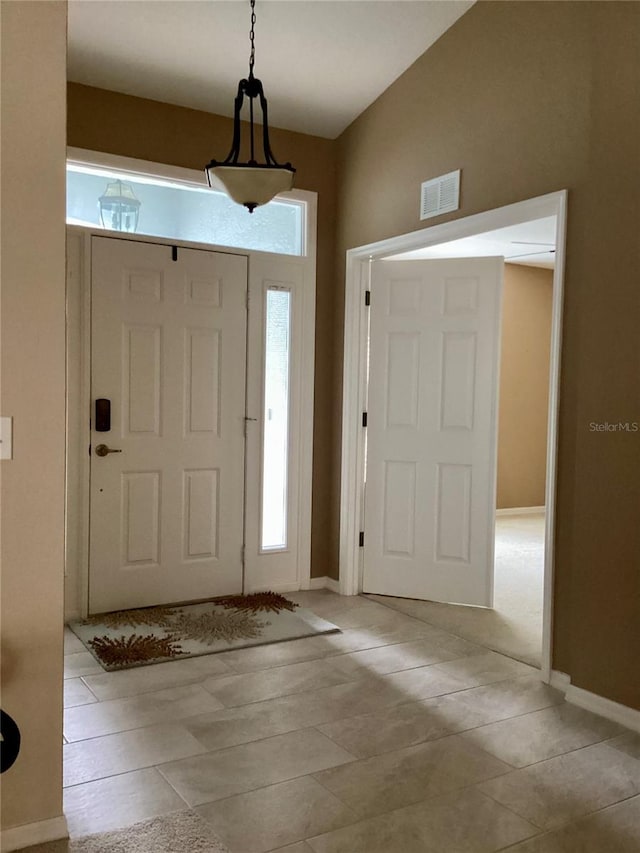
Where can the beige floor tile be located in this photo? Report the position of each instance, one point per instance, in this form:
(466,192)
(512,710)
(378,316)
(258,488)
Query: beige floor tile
(397,727)
(300,847)
(628,743)
(323,601)
(76,692)
(71,643)
(386,659)
(478,706)
(118,801)
(269,684)
(146,679)
(116,715)
(476,670)
(405,776)
(80,663)
(348,700)
(542,734)
(569,786)
(394,728)
(245,723)
(613,830)
(255,658)
(277,815)
(459,822)
(356,639)
(367,615)
(455,646)
(244,768)
(421,683)
(97,758)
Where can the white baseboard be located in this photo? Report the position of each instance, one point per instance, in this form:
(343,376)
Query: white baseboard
(560,680)
(19,837)
(274,587)
(622,714)
(520,510)
(324,583)
(333,585)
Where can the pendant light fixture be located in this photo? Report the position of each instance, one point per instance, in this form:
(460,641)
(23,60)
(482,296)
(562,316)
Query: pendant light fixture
(251,183)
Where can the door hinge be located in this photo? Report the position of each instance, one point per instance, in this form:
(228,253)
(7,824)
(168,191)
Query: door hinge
(361,539)
(367,297)
(364,419)
(174,253)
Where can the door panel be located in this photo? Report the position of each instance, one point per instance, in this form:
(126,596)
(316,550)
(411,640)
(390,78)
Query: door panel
(169,351)
(431,435)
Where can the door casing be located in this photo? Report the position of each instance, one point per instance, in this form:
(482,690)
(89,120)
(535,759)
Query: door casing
(354,401)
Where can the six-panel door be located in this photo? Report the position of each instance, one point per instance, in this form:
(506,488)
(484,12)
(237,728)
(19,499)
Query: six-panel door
(431,435)
(169,351)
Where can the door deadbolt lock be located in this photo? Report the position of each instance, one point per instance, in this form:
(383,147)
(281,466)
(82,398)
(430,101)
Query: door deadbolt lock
(103,450)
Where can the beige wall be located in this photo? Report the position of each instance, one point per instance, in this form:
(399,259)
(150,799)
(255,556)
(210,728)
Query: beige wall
(524,385)
(32,483)
(134,127)
(527,98)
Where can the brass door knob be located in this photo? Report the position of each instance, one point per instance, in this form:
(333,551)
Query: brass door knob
(103,450)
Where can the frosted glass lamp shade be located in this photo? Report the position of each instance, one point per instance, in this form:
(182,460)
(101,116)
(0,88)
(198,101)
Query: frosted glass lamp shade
(251,185)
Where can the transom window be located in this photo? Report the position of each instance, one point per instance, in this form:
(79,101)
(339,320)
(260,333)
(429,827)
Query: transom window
(124,201)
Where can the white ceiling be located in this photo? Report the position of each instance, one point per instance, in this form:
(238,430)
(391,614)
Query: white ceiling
(530,243)
(322,62)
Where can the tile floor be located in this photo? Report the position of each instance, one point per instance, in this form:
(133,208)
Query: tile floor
(394,736)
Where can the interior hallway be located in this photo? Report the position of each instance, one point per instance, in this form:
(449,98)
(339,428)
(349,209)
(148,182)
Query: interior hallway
(514,626)
(394,736)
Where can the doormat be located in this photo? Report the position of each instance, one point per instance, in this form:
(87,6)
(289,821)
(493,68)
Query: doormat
(129,638)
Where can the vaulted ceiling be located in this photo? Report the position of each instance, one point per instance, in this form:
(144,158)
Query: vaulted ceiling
(322,62)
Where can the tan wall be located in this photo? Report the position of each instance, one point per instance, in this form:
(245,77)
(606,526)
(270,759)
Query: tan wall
(32,483)
(524,385)
(134,127)
(527,98)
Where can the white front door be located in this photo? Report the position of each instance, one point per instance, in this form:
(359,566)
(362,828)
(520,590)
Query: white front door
(432,429)
(169,352)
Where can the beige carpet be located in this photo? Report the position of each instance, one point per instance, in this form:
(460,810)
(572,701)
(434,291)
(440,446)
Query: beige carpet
(514,626)
(179,832)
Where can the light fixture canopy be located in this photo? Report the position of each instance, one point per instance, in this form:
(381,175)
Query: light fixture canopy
(251,183)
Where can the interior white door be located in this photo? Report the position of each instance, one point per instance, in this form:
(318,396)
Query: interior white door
(169,351)
(432,429)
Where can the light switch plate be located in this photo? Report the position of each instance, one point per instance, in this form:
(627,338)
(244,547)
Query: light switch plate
(6,438)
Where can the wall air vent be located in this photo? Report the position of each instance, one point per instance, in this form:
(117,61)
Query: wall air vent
(440,195)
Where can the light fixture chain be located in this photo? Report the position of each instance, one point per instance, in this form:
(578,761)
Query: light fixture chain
(252,35)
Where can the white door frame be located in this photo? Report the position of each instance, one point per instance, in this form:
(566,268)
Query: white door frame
(355,378)
(79,405)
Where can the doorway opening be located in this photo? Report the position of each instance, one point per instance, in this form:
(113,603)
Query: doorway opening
(519,623)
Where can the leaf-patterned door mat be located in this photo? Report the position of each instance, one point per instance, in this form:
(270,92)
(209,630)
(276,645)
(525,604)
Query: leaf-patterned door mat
(129,638)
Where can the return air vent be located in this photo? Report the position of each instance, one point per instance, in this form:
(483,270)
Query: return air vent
(440,195)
